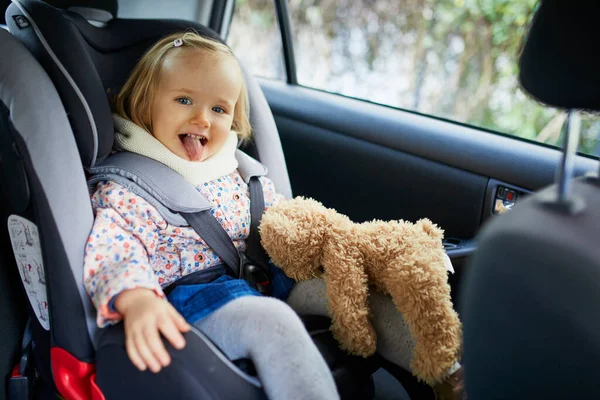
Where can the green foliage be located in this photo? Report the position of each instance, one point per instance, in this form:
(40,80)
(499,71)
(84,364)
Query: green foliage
(455,59)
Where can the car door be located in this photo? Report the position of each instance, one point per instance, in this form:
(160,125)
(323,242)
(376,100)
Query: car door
(395,112)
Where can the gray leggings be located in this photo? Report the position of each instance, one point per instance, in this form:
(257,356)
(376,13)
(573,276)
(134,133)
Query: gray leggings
(270,333)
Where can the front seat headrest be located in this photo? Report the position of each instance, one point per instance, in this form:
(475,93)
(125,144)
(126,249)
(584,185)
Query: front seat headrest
(560,61)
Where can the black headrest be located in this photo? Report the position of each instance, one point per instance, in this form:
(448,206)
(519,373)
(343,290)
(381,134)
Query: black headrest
(86,62)
(110,6)
(560,61)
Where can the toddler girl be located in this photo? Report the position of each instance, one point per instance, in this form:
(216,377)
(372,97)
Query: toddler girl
(185,106)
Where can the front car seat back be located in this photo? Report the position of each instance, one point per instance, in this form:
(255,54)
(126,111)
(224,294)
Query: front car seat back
(531,298)
(85,62)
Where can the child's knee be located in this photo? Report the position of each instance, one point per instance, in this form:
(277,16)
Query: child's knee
(277,314)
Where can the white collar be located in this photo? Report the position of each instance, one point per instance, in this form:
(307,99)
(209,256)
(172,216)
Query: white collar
(132,137)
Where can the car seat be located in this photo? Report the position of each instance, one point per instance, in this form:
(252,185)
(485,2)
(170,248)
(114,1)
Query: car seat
(43,153)
(531,298)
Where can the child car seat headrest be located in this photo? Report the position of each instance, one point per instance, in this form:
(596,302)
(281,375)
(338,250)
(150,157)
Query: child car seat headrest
(88,62)
(559,63)
(93,10)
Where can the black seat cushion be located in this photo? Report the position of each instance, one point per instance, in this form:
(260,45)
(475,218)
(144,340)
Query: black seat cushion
(118,378)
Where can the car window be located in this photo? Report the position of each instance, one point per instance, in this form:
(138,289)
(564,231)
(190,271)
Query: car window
(452,59)
(255,38)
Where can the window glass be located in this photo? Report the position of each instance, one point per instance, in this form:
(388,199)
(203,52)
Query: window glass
(454,59)
(255,38)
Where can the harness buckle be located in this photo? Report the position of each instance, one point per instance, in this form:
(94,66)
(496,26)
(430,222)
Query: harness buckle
(256,276)
(19,386)
(21,383)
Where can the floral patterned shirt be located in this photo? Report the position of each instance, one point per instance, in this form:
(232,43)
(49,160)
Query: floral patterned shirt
(132,246)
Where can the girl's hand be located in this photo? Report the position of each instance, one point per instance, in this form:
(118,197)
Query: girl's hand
(146,316)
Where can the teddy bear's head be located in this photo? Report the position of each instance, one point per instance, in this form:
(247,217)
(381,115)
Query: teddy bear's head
(293,234)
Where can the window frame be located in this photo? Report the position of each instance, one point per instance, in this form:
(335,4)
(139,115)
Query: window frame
(285,28)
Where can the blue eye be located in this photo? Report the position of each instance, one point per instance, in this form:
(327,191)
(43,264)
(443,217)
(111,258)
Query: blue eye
(184,100)
(219,110)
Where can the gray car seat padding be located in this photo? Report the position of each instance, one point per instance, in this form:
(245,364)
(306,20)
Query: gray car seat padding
(162,187)
(58,186)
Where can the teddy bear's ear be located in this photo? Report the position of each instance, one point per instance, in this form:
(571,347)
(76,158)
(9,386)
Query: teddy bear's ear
(430,228)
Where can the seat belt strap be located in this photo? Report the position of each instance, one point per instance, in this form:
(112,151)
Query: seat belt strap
(181,204)
(254,249)
(256,269)
(212,232)
(215,236)
(251,265)
(26,347)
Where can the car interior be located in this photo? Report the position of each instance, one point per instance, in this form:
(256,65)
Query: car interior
(523,248)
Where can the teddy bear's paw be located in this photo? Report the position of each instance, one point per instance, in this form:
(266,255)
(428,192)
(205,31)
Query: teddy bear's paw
(432,366)
(359,341)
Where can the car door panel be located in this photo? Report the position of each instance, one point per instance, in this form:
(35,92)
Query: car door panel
(366,180)
(372,161)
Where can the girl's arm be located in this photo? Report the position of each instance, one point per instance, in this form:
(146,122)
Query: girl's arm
(122,283)
(123,237)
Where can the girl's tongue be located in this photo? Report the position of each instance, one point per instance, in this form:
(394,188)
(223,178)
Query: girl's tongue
(193,147)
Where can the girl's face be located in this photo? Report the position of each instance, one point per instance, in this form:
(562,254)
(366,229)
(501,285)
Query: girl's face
(193,105)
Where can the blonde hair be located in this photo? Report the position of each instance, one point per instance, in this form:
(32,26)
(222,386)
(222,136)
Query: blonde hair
(134,101)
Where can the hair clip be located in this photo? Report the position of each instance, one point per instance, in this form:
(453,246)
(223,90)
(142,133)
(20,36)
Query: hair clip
(178,42)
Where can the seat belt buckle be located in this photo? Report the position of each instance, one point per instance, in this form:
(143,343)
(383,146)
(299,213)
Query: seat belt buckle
(22,377)
(255,276)
(19,386)
(259,279)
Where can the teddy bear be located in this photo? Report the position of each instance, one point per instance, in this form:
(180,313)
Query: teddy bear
(403,259)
